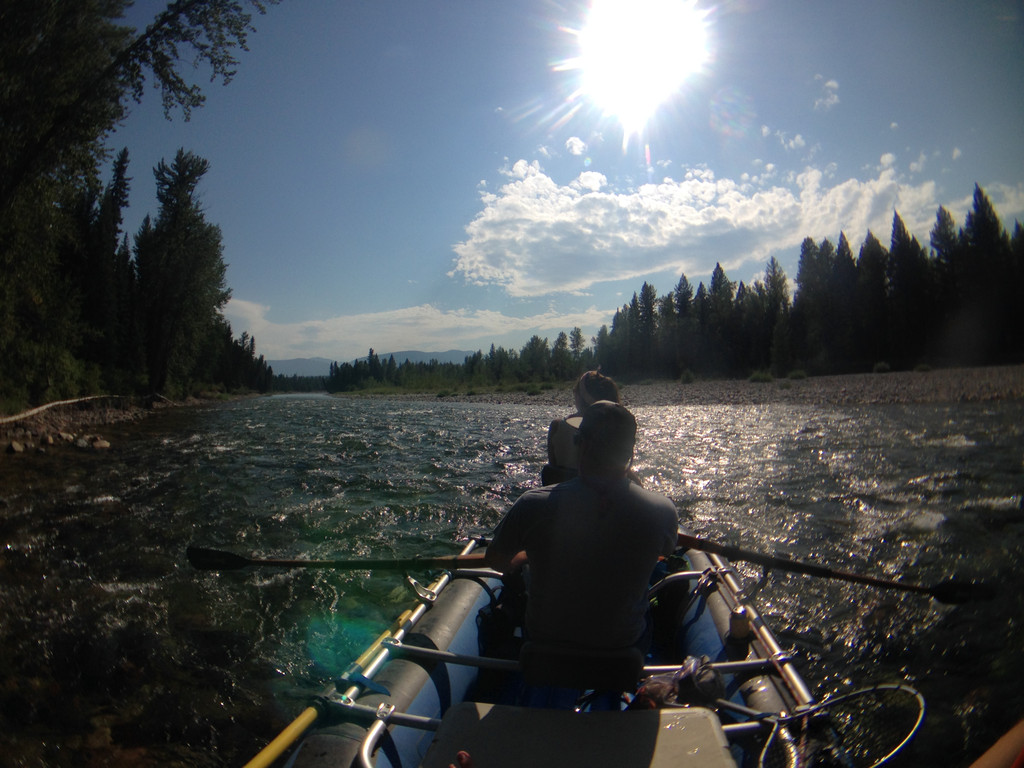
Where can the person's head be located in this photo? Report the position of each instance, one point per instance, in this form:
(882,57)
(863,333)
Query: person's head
(593,386)
(607,436)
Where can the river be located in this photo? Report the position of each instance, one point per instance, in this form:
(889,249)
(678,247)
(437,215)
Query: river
(116,652)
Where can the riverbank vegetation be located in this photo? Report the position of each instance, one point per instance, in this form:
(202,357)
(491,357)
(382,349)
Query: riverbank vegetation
(84,309)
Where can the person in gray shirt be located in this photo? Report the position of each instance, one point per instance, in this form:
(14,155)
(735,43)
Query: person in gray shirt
(591,543)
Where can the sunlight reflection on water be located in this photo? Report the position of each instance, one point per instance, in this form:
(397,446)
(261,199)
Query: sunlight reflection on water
(206,665)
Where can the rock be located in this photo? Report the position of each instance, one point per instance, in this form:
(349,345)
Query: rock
(15,447)
(92,443)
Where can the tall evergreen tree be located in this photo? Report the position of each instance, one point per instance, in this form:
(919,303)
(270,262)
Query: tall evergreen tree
(104,300)
(181,274)
(667,334)
(535,358)
(603,349)
(987,294)
(703,336)
(686,326)
(950,276)
(1015,306)
(777,308)
(841,306)
(723,322)
(647,323)
(810,288)
(909,278)
(872,344)
(576,345)
(561,358)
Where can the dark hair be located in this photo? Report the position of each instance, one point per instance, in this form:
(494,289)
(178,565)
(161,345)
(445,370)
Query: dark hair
(593,386)
(611,429)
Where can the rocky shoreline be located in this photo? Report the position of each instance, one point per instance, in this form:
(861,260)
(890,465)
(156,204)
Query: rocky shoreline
(78,425)
(951,385)
(71,424)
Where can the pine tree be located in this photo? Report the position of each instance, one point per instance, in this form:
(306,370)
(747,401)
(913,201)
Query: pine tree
(181,275)
(872,344)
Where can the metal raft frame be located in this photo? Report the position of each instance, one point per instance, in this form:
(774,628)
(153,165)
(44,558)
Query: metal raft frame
(718,584)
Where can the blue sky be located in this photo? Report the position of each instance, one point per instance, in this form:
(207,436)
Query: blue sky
(442,174)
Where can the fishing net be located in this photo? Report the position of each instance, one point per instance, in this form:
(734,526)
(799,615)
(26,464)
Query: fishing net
(855,730)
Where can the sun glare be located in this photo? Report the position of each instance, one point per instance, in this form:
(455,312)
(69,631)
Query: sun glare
(636,54)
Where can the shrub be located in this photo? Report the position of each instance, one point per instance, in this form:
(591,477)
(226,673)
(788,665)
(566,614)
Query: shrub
(798,374)
(881,367)
(761,377)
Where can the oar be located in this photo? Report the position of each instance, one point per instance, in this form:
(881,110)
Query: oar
(217,560)
(945,592)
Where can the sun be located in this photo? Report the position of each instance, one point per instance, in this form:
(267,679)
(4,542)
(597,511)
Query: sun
(636,54)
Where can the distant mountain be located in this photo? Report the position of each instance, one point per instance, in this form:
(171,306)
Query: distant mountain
(321,366)
(301,366)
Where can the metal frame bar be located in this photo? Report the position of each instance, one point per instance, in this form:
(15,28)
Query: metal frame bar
(780,660)
(418,653)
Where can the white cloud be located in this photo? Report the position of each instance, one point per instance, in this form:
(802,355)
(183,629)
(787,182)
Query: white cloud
(794,142)
(535,237)
(576,146)
(423,327)
(893,125)
(956,153)
(887,160)
(829,94)
(917,166)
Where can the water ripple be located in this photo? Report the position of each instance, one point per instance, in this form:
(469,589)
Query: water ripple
(101,609)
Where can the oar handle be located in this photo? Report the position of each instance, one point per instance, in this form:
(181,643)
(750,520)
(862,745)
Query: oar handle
(946,592)
(784,563)
(284,739)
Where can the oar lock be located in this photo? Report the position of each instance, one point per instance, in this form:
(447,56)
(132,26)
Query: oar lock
(423,594)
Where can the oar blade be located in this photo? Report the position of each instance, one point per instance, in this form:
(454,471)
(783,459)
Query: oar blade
(954,592)
(205,559)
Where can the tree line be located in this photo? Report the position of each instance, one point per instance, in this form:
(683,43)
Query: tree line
(85,309)
(955,303)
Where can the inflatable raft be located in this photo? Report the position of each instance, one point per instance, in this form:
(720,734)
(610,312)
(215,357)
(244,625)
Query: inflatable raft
(452,683)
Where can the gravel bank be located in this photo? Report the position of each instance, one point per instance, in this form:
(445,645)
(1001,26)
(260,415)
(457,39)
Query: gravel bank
(939,386)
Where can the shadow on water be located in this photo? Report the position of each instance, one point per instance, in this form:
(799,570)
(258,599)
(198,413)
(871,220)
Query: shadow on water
(116,652)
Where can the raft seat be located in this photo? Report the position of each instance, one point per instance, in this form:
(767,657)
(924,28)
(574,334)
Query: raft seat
(599,669)
(497,736)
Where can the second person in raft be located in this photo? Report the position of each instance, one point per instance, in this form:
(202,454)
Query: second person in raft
(563,454)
